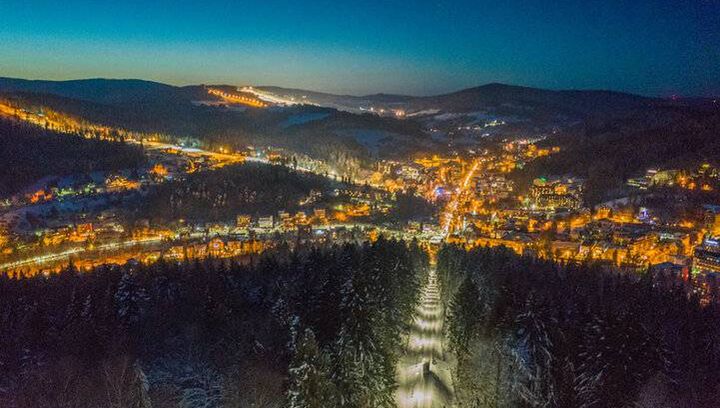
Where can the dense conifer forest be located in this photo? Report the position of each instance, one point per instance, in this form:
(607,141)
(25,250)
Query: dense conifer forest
(221,194)
(313,327)
(530,333)
(28,153)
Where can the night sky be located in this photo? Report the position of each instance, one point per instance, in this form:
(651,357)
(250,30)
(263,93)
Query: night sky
(651,47)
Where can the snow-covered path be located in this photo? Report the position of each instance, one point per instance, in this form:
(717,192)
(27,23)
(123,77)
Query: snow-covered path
(423,374)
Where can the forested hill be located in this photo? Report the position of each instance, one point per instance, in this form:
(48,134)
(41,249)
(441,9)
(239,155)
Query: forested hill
(251,188)
(520,101)
(107,91)
(28,153)
(535,102)
(343,140)
(609,151)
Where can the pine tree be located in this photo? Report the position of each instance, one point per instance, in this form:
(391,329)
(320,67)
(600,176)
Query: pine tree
(129,299)
(365,371)
(310,383)
(618,355)
(534,356)
(464,317)
(139,388)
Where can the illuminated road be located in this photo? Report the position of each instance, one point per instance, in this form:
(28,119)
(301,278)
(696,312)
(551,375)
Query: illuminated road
(55,258)
(65,255)
(424,377)
(448,217)
(229,157)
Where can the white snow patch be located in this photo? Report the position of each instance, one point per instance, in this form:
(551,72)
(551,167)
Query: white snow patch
(426,112)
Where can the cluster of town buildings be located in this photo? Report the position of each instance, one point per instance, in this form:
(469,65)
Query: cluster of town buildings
(705,177)
(546,217)
(549,219)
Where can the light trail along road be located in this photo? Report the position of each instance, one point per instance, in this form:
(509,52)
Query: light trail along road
(448,217)
(424,376)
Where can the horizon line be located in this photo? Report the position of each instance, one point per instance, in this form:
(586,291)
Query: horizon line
(361,95)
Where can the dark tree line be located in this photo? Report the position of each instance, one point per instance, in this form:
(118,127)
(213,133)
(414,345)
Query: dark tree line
(28,153)
(530,333)
(409,206)
(608,151)
(313,327)
(169,111)
(255,189)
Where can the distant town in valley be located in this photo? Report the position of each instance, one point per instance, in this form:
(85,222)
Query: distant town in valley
(430,204)
(473,175)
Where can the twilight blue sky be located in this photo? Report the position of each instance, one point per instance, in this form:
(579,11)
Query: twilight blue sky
(651,47)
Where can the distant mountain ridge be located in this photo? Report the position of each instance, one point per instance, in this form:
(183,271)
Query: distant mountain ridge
(510,99)
(105,91)
(496,96)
